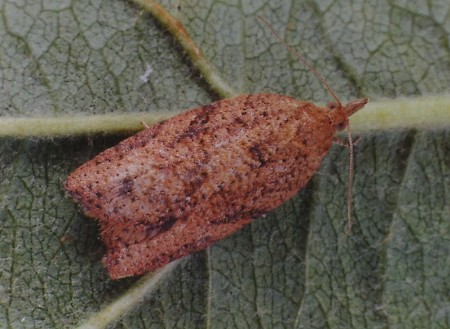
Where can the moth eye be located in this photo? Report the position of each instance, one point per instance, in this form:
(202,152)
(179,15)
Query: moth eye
(331,106)
(342,125)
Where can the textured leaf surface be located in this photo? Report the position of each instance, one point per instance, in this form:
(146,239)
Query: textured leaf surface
(292,269)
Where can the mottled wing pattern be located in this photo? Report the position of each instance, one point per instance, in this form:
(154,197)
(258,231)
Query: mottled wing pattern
(178,186)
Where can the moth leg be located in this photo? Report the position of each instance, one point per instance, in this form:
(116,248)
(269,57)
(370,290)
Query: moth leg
(344,141)
(145,124)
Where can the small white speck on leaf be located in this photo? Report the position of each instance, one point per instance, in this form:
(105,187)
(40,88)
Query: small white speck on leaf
(148,71)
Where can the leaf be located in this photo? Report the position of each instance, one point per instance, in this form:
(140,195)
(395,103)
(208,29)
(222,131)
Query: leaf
(292,269)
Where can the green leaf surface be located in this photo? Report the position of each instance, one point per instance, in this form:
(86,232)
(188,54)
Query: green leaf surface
(295,268)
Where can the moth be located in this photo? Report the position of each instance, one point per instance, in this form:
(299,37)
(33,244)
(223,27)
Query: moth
(177,187)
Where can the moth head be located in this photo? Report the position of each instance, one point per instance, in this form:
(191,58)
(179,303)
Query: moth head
(340,113)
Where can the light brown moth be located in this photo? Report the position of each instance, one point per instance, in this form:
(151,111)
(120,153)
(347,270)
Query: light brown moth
(177,187)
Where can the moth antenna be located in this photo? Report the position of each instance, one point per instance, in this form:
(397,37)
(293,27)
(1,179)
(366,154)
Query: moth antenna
(333,94)
(303,60)
(350,180)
